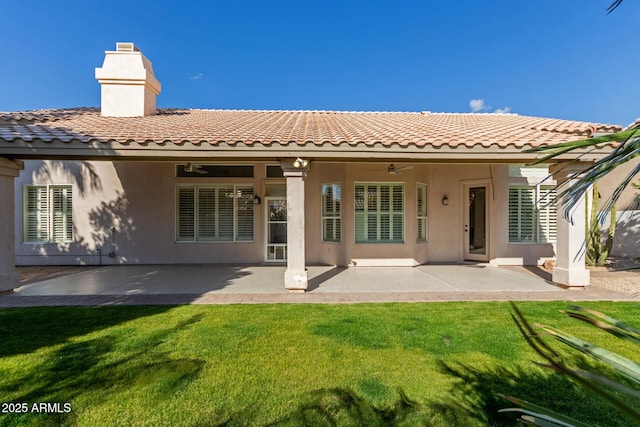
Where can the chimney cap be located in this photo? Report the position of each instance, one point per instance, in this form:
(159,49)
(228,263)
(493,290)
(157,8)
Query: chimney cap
(126,47)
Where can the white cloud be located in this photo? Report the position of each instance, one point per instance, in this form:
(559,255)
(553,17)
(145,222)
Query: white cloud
(480,106)
(197,76)
(504,110)
(477,105)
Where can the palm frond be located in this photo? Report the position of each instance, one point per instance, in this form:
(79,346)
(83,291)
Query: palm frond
(588,380)
(620,329)
(541,415)
(627,150)
(613,5)
(625,366)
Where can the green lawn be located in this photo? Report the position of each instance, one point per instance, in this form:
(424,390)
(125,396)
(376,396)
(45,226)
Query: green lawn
(365,364)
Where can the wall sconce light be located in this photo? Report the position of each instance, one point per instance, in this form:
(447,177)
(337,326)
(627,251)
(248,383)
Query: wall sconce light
(445,200)
(300,163)
(256,200)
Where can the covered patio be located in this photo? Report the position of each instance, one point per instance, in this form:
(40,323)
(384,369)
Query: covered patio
(262,284)
(257,279)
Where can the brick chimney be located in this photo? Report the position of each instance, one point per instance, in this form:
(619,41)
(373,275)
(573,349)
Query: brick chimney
(128,86)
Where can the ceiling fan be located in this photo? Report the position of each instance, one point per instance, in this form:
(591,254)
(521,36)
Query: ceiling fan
(392,170)
(190,167)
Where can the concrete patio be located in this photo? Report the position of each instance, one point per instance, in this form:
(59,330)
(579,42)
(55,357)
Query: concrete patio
(218,284)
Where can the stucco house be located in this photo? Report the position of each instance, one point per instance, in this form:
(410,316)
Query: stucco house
(128,183)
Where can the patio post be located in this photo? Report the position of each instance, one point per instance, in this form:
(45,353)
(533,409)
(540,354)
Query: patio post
(9,277)
(295,277)
(570,268)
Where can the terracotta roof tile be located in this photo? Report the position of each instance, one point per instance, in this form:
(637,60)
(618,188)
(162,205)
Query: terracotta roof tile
(319,128)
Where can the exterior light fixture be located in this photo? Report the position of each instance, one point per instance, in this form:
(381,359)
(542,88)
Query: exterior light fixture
(300,163)
(445,200)
(256,200)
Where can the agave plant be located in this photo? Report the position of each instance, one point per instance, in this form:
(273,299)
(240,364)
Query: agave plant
(533,414)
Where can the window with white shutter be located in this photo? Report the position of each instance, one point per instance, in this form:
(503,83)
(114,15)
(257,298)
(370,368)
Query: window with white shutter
(186,217)
(48,213)
(331,224)
(532,214)
(379,213)
(421,213)
(547,214)
(216,213)
(60,202)
(244,208)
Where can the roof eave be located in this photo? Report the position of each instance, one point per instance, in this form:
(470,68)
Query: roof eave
(97,150)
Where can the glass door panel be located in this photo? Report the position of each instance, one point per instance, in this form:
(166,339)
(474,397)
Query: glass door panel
(276,227)
(476,223)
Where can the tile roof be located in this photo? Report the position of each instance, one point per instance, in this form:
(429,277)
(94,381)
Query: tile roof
(301,128)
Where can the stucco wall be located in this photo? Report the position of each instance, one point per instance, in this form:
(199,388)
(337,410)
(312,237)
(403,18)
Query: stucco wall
(627,237)
(630,198)
(138,199)
(626,242)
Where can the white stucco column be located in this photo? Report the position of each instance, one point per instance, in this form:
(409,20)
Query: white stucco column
(295,277)
(570,268)
(9,277)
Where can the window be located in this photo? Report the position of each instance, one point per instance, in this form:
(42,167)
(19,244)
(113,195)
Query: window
(331,212)
(379,213)
(222,213)
(48,215)
(192,170)
(532,214)
(274,171)
(421,213)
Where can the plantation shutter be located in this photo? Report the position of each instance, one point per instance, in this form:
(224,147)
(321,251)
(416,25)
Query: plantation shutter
(359,200)
(215,213)
(397,206)
(384,213)
(207,216)
(245,214)
(522,218)
(226,196)
(61,214)
(186,226)
(331,212)
(547,214)
(379,215)
(36,214)
(421,213)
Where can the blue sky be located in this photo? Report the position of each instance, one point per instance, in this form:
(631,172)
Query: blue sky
(563,59)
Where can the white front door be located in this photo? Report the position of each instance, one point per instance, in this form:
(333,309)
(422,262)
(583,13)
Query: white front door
(476,222)
(276,229)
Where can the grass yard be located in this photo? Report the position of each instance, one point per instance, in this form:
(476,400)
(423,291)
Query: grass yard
(367,364)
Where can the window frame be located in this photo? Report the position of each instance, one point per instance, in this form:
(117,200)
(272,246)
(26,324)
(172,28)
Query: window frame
(543,207)
(197,233)
(335,216)
(378,212)
(47,215)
